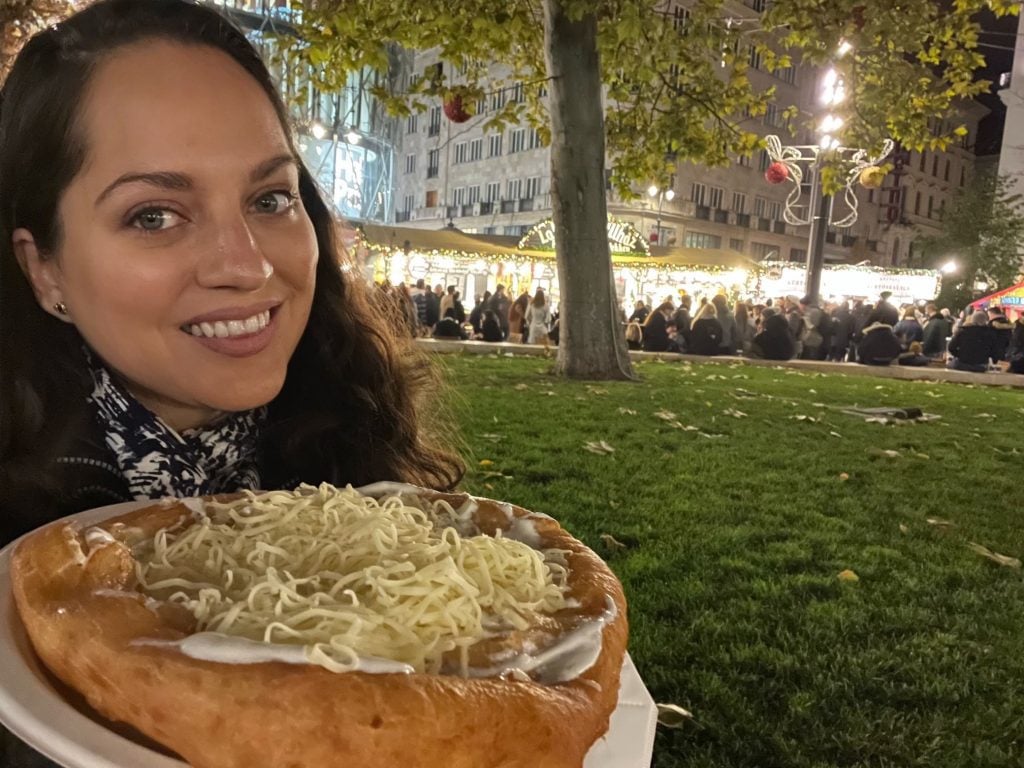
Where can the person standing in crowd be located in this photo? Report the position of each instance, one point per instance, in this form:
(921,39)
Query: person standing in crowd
(490,327)
(775,340)
(842,332)
(970,349)
(640,313)
(460,311)
(655,330)
(476,316)
(1015,350)
(884,312)
(727,345)
(816,322)
(538,319)
(499,305)
(447,301)
(434,306)
(744,328)
(1001,332)
(420,301)
(706,332)
(796,323)
(937,329)
(908,330)
(681,320)
(517,317)
(879,345)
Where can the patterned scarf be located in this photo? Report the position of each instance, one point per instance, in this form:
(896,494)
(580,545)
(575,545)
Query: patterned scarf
(157,461)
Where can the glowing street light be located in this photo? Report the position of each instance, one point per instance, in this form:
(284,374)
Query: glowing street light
(844,48)
(949,267)
(318,130)
(662,194)
(352,137)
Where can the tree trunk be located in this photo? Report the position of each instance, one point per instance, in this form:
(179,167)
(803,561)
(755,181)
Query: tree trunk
(592,344)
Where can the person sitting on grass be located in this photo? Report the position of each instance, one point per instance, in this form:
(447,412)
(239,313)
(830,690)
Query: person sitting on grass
(775,341)
(448,328)
(706,333)
(914,356)
(970,349)
(879,345)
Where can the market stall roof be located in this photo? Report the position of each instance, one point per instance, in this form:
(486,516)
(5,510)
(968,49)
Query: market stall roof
(1008,297)
(452,239)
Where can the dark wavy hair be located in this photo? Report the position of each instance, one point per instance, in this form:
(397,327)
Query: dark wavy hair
(354,406)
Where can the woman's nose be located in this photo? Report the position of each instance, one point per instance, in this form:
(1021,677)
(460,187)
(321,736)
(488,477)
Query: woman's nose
(234,259)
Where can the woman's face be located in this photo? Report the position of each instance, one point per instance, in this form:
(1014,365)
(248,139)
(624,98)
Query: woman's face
(187,259)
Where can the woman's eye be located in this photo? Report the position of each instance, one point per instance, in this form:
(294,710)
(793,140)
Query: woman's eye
(154,219)
(274,202)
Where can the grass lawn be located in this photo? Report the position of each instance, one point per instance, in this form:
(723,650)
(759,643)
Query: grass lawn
(736,532)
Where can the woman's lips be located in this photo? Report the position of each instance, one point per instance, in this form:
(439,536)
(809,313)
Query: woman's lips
(236,338)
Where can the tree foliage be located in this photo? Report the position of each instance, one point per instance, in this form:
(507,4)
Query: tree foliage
(983,233)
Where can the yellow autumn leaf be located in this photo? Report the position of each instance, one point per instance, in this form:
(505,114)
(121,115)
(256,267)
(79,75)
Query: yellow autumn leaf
(848,575)
(486,463)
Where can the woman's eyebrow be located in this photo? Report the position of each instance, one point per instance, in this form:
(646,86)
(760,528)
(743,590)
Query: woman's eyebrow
(182,182)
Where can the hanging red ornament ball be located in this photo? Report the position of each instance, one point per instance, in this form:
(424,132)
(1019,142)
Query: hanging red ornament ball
(455,110)
(872,178)
(777,173)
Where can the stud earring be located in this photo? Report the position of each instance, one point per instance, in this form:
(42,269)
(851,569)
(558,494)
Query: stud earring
(61,308)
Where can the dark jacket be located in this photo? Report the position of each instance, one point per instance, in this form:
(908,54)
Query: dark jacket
(449,328)
(879,345)
(884,312)
(913,359)
(775,341)
(433,308)
(655,333)
(491,329)
(842,329)
(499,304)
(908,331)
(1001,332)
(935,333)
(639,315)
(1015,351)
(682,321)
(705,337)
(972,345)
(476,316)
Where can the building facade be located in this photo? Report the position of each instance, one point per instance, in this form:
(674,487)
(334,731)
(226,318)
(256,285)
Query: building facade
(450,174)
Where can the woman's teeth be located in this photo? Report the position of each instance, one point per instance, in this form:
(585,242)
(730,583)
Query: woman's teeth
(222,329)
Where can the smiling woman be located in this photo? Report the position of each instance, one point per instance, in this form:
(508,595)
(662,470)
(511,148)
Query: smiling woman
(173,319)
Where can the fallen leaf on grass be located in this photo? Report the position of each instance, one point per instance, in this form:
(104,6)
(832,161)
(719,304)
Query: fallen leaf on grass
(521,387)
(985,416)
(904,529)
(803,417)
(495,476)
(938,522)
(627,411)
(710,436)
(836,434)
(995,557)
(884,453)
(486,463)
(734,413)
(597,390)
(674,716)
(602,448)
(665,415)
(614,545)
(924,456)
(848,575)
(613,503)
(494,438)
(844,476)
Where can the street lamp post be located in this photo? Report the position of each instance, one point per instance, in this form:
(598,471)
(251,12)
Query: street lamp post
(662,194)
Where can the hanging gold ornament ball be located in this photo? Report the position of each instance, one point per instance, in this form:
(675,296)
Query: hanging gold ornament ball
(872,178)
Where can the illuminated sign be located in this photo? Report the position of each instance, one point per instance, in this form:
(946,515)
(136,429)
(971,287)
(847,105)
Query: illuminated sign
(623,238)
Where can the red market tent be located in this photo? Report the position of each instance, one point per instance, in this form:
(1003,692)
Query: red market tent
(1008,298)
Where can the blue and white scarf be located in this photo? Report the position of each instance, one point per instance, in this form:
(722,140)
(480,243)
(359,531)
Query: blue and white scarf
(157,461)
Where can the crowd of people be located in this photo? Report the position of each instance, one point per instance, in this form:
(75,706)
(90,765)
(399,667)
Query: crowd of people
(878,333)
(871,334)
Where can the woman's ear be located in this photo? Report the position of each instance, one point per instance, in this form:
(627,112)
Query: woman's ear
(43,274)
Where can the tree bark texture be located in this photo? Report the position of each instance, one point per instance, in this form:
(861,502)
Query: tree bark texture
(592,343)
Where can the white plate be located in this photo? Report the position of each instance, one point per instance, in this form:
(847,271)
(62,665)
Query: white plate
(56,721)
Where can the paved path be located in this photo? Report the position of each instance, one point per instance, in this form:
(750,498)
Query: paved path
(849,369)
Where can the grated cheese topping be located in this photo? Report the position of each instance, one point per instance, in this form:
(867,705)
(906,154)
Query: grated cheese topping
(352,578)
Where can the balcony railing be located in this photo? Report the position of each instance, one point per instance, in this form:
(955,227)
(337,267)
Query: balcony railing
(743,220)
(508,206)
(401,216)
(432,172)
(703,212)
(779,227)
(721,217)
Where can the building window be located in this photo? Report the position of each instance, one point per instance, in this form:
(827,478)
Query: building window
(410,163)
(760,204)
(917,204)
(535,142)
(935,166)
(735,245)
(513,189)
(743,160)
(517,140)
(774,210)
(494,145)
(476,150)
(764,251)
(411,123)
(680,16)
(931,206)
(702,240)
(698,192)
(533,186)
(433,161)
(715,195)
(739,202)
(459,196)
(497,100)
(408,203)
(473,194)
(481,105)
(434,128)
(787,74)
(461,152)
(754,58)
(516,94)
(924,160)
(763,160)
(771,116)
(945,176)
(493,193)
(963,176)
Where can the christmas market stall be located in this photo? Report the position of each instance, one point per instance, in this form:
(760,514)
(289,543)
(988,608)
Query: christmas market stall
(1010,300)
(840,282)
